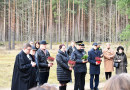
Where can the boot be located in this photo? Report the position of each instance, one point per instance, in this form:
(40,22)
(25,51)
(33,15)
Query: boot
(64,87)
(61,88)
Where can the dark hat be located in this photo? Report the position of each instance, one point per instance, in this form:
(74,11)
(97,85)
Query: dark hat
(33,48)
(43,42)
(79,42)
(83,45)
(95,44)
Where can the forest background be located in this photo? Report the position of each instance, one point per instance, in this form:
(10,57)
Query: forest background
(60,21)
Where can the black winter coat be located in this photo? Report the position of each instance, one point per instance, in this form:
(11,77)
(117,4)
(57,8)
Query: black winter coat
(33,77)
(63,72)
(123,64)
(42,60)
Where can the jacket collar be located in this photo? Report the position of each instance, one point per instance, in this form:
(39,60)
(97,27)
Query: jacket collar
(120,53)
(94,50)
(63,53)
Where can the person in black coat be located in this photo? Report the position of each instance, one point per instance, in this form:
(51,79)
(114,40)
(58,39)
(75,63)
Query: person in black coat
(22,70)
(80,68)
(31,57)
(94,66)
(63,70)
(71,48)
(121,59)
(44,66)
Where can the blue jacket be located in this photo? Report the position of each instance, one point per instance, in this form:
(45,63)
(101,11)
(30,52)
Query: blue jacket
(94,69)
(79,67)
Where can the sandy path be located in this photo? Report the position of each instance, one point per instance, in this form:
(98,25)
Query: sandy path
(71,86)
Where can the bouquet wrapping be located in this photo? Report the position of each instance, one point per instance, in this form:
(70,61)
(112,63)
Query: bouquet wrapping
(50,59)
(71,63)
(98,59)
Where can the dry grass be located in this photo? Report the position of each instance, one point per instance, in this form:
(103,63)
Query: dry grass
(7,59)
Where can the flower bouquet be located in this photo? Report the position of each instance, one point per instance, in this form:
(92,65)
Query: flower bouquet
(98,60)
(85,57)
(71,63)
(50,59)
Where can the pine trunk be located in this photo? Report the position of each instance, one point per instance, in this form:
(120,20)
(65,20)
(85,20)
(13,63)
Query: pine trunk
(59,24)
(90,22)
(67,29)
(50,28)
(37,24)
(9,28)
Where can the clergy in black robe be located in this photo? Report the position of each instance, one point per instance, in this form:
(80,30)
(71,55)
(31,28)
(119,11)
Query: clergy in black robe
(22,70)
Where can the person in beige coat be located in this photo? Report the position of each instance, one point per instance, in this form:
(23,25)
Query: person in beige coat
(108,60)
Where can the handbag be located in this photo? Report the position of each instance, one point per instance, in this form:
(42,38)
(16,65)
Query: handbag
(116,64)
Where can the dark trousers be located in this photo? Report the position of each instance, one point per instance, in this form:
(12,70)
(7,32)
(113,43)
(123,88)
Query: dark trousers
(96,81)
(107,74)
(79,81)
(43,77)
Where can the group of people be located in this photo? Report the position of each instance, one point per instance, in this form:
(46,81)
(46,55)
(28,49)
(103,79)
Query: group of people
(31,67)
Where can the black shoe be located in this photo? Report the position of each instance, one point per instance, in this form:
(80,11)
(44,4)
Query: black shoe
(64,87)
(96,89)
(61,88)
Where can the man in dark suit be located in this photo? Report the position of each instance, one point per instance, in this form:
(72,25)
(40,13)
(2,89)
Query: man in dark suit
(80,68)
(44,66)
(94,66)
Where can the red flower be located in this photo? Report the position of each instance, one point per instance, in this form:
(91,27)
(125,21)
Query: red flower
(71,63)
(97,58)
(50,58)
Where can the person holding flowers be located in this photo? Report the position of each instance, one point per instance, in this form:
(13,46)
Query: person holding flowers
(44,67)
(94,60)
(80,68)
(63,69)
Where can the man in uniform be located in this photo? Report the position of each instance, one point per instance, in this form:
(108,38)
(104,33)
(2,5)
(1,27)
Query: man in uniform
(80,68)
